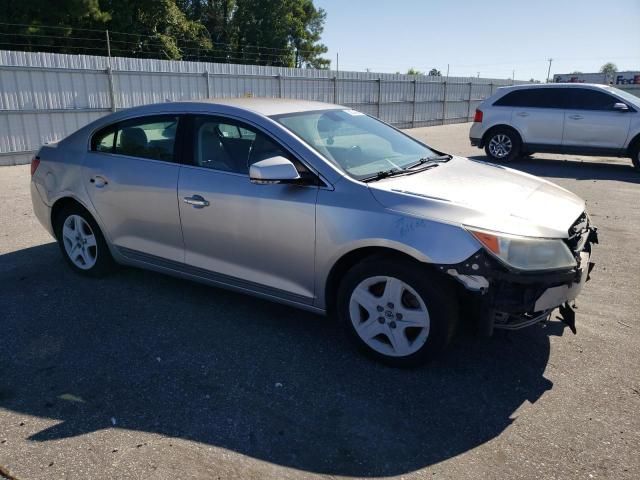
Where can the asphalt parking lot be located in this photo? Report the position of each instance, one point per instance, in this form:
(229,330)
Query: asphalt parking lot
(144,376)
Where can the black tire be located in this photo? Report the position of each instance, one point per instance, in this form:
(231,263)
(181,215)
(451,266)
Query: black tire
(508,141)
(104,262)
(635,156)
(435,292)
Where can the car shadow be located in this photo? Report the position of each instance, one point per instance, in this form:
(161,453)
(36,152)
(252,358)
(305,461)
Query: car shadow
(151,353)
(570,168)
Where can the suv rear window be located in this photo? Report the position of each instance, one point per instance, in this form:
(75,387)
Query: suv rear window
(534,98)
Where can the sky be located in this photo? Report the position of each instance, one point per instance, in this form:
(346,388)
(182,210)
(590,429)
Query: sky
(489,37)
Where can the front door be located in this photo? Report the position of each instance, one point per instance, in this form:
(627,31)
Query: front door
(591,121)
(259,237)
(132,180)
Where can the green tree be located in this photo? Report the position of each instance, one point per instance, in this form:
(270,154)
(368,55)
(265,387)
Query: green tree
(609,68)
(280,33)
(216,17)
(39,16)
(154,28)
(414,71)
(434,72)
(264,32)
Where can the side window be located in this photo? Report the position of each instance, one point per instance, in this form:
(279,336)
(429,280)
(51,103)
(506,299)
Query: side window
(517,98)
(226,145)
(152,137)
(534,98)
(586,99)
(104,140)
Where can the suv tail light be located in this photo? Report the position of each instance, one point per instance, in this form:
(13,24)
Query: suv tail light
(478,116)
(35,162)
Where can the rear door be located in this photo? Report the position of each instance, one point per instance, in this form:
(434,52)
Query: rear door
(259,237)
(132,181)
(537,113)
(591,121)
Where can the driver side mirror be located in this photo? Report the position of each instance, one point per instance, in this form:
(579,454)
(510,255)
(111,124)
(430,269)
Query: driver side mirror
(273,170)
(621,107)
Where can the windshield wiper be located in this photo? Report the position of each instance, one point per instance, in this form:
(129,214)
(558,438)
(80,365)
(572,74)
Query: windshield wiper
(396,173)
(436,159)
(382,174)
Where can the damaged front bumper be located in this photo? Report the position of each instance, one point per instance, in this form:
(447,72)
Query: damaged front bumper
(507,299)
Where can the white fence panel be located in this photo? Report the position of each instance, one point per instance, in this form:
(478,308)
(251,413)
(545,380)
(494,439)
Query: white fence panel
(45,96)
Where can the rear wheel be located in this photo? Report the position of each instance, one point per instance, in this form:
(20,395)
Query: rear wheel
(502,145)
(396,312)
(81,242)
(635,156)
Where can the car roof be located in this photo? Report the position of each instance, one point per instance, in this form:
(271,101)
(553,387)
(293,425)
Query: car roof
(273,106)
(261,106)
(552,85)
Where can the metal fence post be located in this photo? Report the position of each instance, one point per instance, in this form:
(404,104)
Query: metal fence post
(112,93)
(280,95)
(206,77)
(413,108)
(335,89)
(491,87)
(379,95)
(469,106)
(444,102)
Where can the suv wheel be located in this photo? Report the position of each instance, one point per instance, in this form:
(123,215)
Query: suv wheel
(502,145)
(635,156)
(396,312)
(82,243)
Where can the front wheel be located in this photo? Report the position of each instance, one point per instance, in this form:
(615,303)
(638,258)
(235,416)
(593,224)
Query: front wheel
(396,311)
(503,145)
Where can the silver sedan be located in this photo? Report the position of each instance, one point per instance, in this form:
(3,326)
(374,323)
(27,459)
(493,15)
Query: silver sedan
(320,207)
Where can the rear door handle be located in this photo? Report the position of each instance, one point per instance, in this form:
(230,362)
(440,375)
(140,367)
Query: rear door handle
(576,117)
(522,114)
(196,201)
(99,181)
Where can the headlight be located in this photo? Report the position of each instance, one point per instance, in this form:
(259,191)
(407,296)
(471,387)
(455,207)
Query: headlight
(526,253)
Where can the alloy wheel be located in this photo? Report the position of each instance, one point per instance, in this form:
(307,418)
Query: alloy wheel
(500,145)
(389,316)
(79,242)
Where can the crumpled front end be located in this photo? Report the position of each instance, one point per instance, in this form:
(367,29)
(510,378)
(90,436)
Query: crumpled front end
(504,298)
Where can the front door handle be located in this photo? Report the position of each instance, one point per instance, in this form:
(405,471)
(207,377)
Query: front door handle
(522,114)
(576,117)
(196,201)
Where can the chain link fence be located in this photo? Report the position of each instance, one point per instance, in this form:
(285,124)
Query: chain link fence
(46,96)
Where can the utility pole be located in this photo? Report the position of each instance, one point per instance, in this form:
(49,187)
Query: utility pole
(549,70)
(513,77)
(447,71)
(112,92)
(478,74)
(108,47)
(337,62)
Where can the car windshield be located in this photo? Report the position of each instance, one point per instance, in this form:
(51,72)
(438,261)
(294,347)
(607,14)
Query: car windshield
(625,95)
(357,143)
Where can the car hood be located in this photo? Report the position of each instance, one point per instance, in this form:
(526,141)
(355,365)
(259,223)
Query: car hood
(483,195)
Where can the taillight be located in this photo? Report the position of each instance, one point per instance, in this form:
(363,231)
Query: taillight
(478,116)
(35,161)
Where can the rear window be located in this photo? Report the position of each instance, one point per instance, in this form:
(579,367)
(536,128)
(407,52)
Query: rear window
(149,137)
(534,98)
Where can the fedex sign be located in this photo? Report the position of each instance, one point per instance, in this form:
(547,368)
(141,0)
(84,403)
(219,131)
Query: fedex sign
(618,78)
(630,80)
